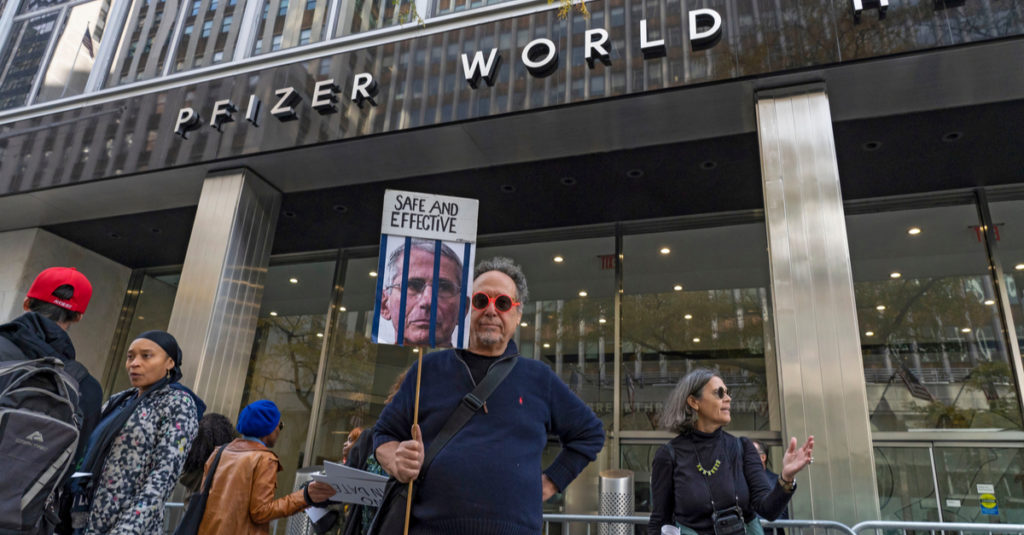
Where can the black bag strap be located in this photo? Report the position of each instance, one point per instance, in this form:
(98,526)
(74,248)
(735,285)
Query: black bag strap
(471,403)
(205,489)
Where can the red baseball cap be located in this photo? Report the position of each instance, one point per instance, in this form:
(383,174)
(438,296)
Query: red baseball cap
(52,278)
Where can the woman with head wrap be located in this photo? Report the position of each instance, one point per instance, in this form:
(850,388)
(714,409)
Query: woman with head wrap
(138,449)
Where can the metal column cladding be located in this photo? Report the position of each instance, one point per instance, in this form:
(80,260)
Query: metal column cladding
(221,286)
(821,373)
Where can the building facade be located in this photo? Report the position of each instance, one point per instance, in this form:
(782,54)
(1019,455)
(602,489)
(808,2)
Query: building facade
(819,198)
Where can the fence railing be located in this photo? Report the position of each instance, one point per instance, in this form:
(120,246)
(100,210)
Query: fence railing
(792,527)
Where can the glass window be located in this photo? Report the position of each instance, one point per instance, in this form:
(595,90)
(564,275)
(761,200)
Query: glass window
(360,374)
(286,354)
(209,47)
(366,15)
(1008,217)
(981,485)
(695,298)
(55,50)
(287,25)
(906,490)
(143,30)
(934,356)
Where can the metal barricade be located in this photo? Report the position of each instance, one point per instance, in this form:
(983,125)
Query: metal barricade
(880,525)
(805,527)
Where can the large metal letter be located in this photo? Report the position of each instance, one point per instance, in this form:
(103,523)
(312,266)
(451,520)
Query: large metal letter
(704,17)
(650,49)
(323,97)
(364,89)
(858,6)
(222,110)
(188,120)
(594,48)
(538,63)
(252,112)
(284,109)
(479,69)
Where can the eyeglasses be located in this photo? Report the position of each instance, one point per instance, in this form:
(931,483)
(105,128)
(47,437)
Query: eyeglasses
(416,286)
(720,392)
(280,425)
(502,303)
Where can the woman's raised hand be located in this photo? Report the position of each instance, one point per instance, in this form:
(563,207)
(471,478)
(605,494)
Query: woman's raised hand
(796,459)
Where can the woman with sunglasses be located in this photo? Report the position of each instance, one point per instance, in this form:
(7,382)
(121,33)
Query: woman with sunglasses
(706,481)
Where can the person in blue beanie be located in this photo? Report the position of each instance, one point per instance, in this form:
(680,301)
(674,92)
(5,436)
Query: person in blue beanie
(242,493)
(488,479)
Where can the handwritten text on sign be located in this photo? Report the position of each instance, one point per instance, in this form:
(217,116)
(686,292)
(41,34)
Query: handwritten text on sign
(434,217)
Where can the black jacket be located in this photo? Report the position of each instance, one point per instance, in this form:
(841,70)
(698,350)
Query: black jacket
(680,493)
(32,336)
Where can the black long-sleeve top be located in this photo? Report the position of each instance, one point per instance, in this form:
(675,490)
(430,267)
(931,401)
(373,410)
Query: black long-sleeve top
(682,495)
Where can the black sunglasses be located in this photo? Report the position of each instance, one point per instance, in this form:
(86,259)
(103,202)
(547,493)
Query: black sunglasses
(502,303)
(720,392)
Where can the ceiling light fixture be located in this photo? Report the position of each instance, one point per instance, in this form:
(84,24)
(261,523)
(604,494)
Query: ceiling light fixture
(524,324)
(880,308)
(914,231)
(688,317)
(869,333)
(293,280)
(602,320)
(678,287)
(319,335)
(665,250)
(1019,267)
(895,275)
(583,293)
(558,259)
(990,302)
(373,273)
(343,309)
(546,345)
(696,340)
(273,314)
(965,330)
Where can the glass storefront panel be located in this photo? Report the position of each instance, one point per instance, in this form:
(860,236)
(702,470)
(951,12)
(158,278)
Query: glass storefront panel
(290,23)
(209,34)
(695,298)
(360,374)
(286,354)
(53,44)
(1008,218)
(906,490)
(981,484)
(934,356)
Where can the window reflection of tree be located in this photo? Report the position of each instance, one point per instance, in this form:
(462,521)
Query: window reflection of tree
(920,330)
(285,358)
(725,332)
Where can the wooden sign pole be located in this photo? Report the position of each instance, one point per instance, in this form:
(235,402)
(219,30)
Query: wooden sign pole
(415,421)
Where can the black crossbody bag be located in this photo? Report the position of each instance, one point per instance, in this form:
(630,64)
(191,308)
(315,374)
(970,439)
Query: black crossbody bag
(193,516)
(390,517)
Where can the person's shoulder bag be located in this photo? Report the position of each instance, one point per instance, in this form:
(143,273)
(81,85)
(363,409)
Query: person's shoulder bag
(390,517)
(193,516)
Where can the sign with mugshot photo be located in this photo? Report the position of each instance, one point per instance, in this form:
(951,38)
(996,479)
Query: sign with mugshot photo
(425,270)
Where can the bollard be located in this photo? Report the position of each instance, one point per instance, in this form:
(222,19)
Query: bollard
(617,499)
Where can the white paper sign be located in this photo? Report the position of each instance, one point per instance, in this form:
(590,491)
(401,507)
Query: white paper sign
(432,217)
(986,489)
(352,485)
(952,503)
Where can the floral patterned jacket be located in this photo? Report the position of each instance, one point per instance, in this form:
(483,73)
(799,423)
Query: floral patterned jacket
(143,465)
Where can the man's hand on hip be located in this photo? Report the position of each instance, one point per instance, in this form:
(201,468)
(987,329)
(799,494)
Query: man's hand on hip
(548,488)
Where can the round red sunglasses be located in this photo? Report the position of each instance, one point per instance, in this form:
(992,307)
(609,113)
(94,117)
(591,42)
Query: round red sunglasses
(502,303)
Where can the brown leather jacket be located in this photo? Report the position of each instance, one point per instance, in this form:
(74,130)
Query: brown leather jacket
(232,508)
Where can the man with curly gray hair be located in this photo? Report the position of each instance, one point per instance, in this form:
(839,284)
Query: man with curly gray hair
(488,480)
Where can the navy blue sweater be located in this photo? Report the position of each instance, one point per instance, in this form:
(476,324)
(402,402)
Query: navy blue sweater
(487,480)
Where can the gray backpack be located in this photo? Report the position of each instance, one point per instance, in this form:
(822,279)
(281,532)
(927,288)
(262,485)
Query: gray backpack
(39,425)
